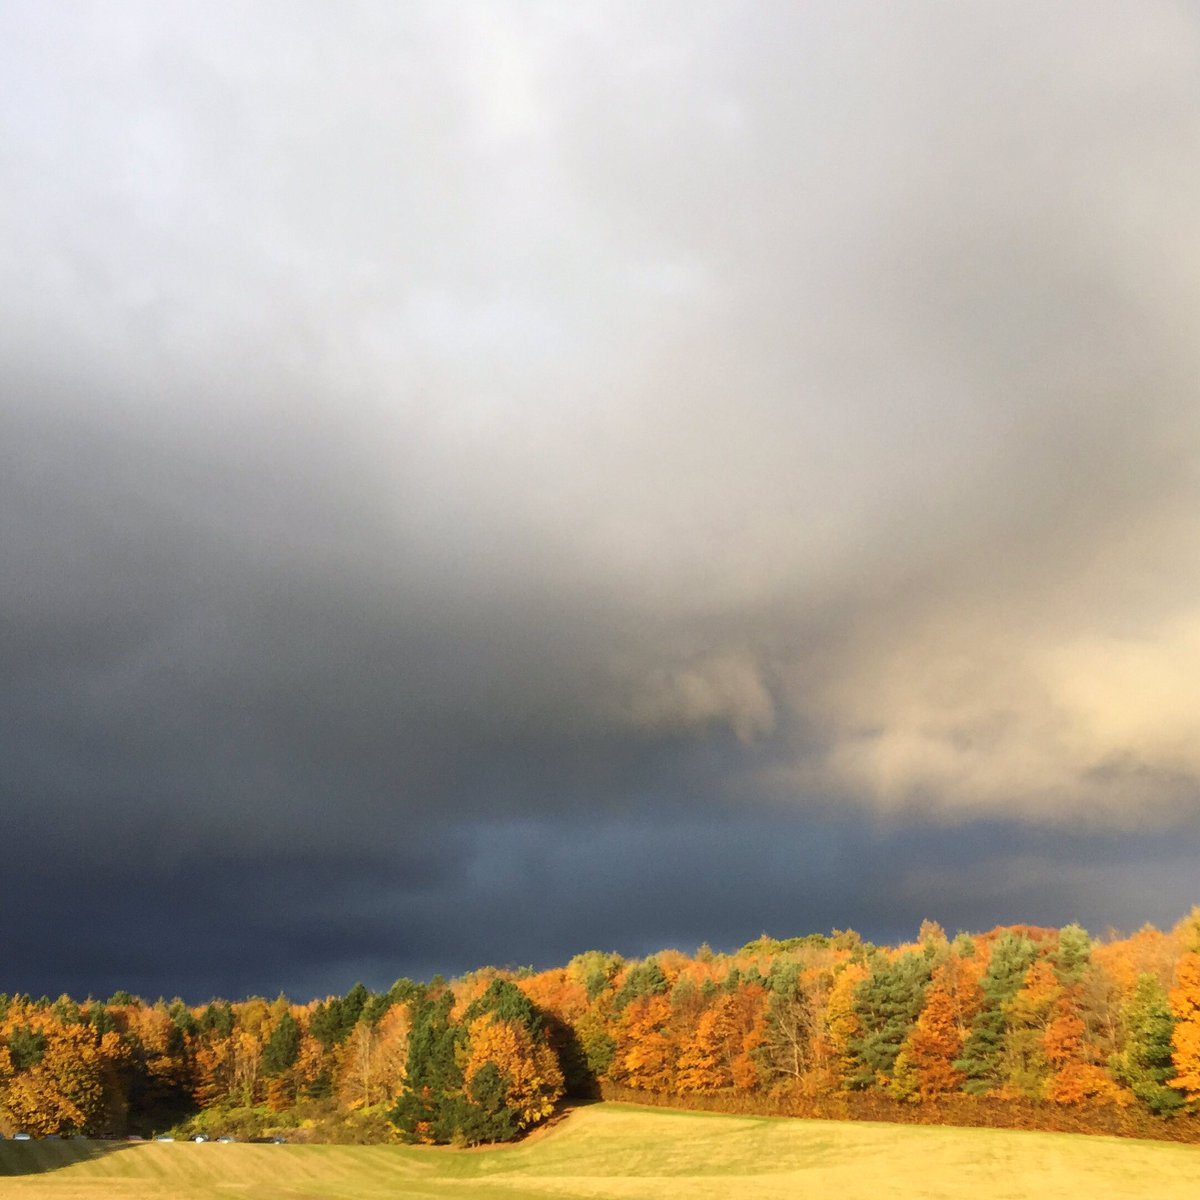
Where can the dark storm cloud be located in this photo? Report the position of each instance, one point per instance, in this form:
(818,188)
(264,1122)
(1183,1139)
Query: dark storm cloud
(478,481)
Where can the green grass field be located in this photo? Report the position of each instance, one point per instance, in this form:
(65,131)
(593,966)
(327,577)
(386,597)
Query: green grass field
(609,1150)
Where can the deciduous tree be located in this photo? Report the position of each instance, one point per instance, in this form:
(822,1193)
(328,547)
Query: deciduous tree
(1185,1038)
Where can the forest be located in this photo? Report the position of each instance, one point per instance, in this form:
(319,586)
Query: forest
(1021,1025)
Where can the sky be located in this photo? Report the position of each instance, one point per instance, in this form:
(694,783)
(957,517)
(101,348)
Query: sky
(482,482)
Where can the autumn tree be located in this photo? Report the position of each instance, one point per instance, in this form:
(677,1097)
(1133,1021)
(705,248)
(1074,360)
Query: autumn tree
(525,1080)
(1185,1038)
(64,1090)
(721,1050)
(842,1024)
(792,1025)
(482,1078)
(930,1050)
(646,1051)
(371,1062)
(161,1069)
(563,1000)
(1024,1064)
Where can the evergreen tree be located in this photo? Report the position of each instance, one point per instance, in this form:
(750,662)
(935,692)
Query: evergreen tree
(327,1023)
(100,1019)
(67,1011)
(353,1004)
(216,1021)
(484,1115)
(282,1048)
(507,1002)
(886,1004)
(26,1047)
(182,1017)
(1012,955)
(646,979)
(429,1108)
(1073,953)
(1145,1065)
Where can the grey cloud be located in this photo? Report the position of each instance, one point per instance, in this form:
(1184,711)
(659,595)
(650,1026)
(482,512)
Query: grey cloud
(517,413)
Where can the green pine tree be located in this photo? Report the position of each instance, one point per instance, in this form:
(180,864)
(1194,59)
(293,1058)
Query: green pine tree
(1145,1064)
(429,1108)
(1073,953)
(886,1003)
(1012,955)
(282,1048)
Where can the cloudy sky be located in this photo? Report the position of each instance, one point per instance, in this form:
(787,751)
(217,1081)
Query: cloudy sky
(480,482)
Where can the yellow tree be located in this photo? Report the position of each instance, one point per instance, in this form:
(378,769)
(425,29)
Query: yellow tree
(310,1062)
(1027,1015)
(63,1091)
(841,1021)
(556,992)
(1185,1038)
(391,1050)
(370,1064)
(356,1085)
(246,1067)
(526,1063)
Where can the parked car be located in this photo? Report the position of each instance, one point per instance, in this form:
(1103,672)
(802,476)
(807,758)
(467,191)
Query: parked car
(226,1139)
(22,1137)
(200,1137)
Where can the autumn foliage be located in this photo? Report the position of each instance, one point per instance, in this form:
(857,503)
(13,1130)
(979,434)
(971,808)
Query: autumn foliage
(991,1028)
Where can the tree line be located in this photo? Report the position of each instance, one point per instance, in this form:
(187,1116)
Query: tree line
(1052,1019)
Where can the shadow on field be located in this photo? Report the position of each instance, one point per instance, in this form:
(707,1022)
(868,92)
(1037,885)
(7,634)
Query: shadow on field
(40,1157)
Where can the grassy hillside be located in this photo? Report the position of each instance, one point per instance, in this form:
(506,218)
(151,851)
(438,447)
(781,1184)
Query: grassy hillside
(618,1151)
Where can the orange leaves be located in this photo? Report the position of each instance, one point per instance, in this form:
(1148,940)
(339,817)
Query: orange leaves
(1031,1005)
(1186,1052)
(646,1053)
(528,1065)
(1185,1041)
(704,1066)
(557,993)
(1083,1083)
(1147,952)
(1063,1040)
(720,1053)
(213,1073)
(934,1044)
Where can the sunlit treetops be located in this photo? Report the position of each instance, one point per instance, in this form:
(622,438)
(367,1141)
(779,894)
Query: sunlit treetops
(1017,1014)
